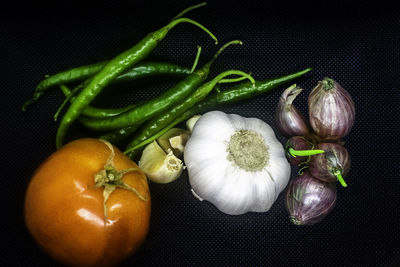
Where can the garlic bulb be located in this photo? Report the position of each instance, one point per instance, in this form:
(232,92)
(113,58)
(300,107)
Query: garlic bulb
(236,163)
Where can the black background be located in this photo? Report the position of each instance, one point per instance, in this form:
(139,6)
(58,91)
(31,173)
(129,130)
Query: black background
(355,43)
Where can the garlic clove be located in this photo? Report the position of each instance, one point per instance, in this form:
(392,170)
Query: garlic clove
(174,140)
(190,123)
(159,166)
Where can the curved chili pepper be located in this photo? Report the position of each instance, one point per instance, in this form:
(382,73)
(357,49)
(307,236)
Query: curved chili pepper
(114,68)
(166,100)
(141,70)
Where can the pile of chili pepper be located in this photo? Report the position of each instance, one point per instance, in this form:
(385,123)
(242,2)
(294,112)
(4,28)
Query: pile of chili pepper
(145,121)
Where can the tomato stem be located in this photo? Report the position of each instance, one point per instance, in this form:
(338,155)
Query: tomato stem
(110,178)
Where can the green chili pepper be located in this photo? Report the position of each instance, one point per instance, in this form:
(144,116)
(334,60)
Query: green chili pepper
(114,68)
(148,69)
(94,112)
(141,70)
(242,92)
(176,94)
(68,76)
(117,136)
(238,93)
(121,134)
(160,122)
(82,73)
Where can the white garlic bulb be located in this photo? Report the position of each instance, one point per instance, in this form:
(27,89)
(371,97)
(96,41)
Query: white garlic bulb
(236,163)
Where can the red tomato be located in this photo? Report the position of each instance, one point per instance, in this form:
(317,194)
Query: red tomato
(64,210)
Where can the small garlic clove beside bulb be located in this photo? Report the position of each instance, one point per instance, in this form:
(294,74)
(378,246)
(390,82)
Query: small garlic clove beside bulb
(175,140)
(190,123)
(159,166)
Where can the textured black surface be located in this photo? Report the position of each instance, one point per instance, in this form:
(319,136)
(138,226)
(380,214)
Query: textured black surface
(357,44)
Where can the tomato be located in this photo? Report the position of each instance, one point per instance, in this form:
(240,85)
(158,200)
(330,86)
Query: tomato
(65,212)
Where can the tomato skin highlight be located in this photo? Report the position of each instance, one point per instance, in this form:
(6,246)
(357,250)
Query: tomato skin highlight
(64,210)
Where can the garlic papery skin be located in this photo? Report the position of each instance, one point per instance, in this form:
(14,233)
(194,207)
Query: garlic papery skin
(159,166)
(244,176)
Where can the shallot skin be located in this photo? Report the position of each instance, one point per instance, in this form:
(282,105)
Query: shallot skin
(289,120)
(309,200)
(331,110)
(335,158)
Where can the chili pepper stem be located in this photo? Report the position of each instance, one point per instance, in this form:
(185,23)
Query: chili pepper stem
(233,80)
(163,31)
(302,153)
(339,176)
(243,75)
(68,96)
(183,12)
(225,46)
(196,60)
